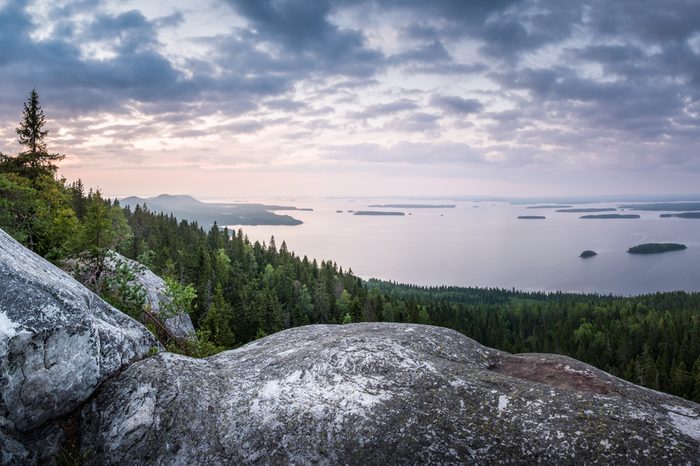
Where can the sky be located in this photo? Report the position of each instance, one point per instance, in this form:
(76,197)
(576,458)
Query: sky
(228,99)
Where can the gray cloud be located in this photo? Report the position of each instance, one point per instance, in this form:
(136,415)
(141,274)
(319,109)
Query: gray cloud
(379,110)
(456,104)
(618,79)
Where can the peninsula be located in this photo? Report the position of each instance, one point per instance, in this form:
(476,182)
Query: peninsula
(206,213)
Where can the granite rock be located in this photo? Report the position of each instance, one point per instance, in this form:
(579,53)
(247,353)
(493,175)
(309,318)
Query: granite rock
(381,394)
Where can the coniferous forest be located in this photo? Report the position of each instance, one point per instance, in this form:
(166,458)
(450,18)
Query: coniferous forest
(236,290)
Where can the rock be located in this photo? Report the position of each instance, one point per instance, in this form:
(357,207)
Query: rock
(381,394)
(58,342)
(179,325)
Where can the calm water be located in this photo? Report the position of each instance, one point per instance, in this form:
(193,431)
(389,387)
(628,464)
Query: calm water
(488,246)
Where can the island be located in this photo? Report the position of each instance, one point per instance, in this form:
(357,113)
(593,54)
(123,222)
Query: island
(378,213)
(682,215)
(531,217)
(587,253)
(338,211)
(587,209)
(603,216)
(656,248)
(670,206)
(549,206)
(415,206)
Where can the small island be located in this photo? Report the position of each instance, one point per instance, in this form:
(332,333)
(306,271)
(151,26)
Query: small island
(682,215)
(587,209)
(549,206)
(656,248)
(378,213)
(531,217)
(604,216)
(587,253)
(338,211)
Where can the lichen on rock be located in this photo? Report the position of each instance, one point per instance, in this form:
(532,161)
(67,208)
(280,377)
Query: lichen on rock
(58,342)
(381,394)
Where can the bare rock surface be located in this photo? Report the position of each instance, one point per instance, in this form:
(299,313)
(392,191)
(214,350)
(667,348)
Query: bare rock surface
(381,394)
(58,342)
(179,325)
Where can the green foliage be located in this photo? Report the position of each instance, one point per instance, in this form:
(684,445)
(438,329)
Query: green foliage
(219,319)
(121,289)
(177,300)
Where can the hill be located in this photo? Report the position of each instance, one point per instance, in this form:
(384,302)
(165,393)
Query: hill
(206,213)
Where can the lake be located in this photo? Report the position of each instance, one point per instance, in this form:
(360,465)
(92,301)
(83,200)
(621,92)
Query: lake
(484,244)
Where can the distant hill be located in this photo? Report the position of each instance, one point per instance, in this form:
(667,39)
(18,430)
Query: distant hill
(206,213)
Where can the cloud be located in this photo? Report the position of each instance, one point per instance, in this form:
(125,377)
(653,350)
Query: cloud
(413,153)
(567,82)
(456,105)
(380,110)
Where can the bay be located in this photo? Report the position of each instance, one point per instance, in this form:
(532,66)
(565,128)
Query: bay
(484,244)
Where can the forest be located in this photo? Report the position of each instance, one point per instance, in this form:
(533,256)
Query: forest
(236,290)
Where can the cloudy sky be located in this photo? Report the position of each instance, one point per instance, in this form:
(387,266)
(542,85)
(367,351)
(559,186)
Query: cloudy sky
(250,98)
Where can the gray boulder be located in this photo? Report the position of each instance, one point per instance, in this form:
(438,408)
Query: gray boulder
(58,342)
(380,394)
(179,325)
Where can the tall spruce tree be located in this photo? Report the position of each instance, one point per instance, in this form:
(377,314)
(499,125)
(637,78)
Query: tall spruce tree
(35,160)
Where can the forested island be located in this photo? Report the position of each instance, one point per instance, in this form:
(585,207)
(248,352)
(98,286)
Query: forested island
(236,290)
(682,215)
(656,248)
(669,206)
(610,216)
(531,217)
(378,213)
(550,206)
(587,209)
(415,206)
(587,253)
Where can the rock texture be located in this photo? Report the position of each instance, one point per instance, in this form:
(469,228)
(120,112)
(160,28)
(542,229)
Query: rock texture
(179,325)
(58,342)
(381,394)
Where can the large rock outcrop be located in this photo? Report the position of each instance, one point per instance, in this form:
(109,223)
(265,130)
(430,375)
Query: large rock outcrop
(179,325)
(381,394)
(58,342)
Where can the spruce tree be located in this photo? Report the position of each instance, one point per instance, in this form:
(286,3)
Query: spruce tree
(35,160)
